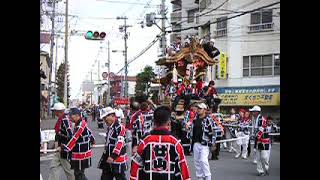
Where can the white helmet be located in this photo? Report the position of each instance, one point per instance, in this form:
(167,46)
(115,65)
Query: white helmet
(106,111)
(255,108)
(212,40)
(58,107)
(194,82)
(179,80)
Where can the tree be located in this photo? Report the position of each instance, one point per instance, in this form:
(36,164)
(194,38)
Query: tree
(60,84)
(143,82)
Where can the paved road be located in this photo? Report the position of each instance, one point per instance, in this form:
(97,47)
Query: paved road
(226,168)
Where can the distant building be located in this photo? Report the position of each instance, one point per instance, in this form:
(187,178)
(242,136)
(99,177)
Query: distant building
(117,86)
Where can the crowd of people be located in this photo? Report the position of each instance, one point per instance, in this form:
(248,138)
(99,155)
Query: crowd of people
(156,151)
(205,42)
(197,90)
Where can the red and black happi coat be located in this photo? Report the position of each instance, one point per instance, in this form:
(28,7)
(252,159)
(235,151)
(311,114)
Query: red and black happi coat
(63,130)
(142,123)
(189,116)
(262,136)
(159,156)
(80,146)
(115,148)
(209,131)
(244,122)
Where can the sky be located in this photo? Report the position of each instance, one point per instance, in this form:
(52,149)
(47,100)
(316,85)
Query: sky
(83,55)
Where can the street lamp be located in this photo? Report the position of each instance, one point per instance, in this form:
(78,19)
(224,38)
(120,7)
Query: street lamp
(114,51)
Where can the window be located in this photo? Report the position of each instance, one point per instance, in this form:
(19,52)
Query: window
(276,64)
(261,21)
(221,27)
(222,22)
(191,16)
(261,65)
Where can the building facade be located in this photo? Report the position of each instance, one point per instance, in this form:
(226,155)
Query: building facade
(249,70)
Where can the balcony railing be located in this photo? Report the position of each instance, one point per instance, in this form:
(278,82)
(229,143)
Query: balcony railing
(261,27)
(176,2)
(176,7)
(221,32)
(175,17)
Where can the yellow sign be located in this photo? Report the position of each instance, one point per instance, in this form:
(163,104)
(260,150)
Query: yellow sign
(262,99)
(223,66)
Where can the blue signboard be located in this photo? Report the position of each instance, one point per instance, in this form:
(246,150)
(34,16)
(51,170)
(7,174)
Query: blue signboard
(249,90)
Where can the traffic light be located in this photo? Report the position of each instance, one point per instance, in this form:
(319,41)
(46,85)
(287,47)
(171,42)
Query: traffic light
(95,35)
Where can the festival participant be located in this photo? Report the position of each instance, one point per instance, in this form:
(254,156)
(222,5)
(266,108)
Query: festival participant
(160,155)
(180,93)
(80,145)
(189,116)
(242,131)
(211,50)
(63,130)
(262,141)
(203,137)
(141,123)
(219,130)
(114,159)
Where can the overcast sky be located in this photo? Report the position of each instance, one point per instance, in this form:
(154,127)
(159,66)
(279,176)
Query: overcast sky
(83,55)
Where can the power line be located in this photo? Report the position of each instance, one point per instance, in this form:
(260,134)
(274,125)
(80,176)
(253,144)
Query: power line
(254,40)
(127,2)
(143,51)
(216,8)
(227,13)
(232,17)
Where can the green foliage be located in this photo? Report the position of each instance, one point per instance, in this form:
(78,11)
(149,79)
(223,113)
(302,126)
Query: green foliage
(143,82)
(60,84)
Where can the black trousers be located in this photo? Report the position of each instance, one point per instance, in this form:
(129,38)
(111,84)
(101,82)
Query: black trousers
(215,153)
(108,175)
(249,147)
(187,99)
(79,174)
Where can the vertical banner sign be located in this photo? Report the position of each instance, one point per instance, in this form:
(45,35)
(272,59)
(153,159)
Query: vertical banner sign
(223,66)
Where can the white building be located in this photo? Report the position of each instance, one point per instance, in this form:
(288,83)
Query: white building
(251,43)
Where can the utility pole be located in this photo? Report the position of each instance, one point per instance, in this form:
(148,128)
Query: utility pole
(108,93)
(66,56)
(125,55)
(51,54)
(56,61)
(91,91)
(98,88)
(125,59)
(164,42)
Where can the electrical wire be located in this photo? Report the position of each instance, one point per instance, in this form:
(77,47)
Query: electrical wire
(220,14)
(126,2)
(216,8)
(232,17)
(142,52)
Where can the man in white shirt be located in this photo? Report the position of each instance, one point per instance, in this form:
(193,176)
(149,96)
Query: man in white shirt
(119,114)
